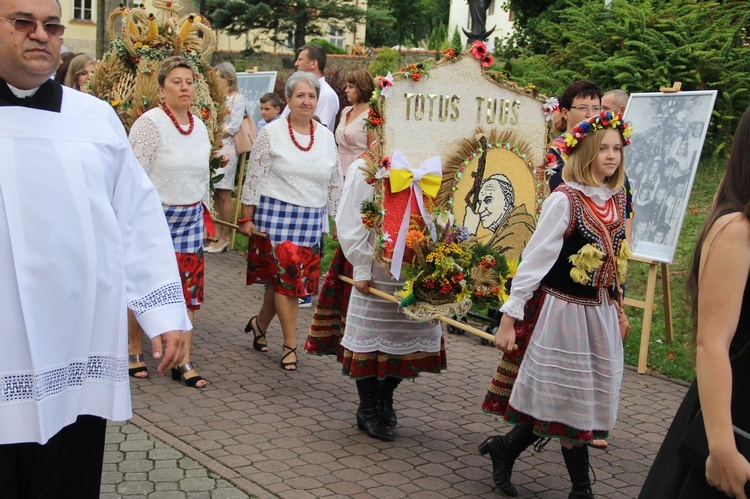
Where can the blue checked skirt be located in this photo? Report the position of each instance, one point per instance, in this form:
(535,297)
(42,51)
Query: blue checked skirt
(282,221)
(186,226)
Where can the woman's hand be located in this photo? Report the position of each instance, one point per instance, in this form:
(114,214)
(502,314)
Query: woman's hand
(728,471)
(364,286)
(505,337)
(247,228)
(224,160)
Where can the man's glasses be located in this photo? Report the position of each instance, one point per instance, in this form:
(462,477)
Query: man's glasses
(583,109)
(29,26)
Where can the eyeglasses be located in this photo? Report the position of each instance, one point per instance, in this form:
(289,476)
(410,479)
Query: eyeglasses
(29,26)
(583,109)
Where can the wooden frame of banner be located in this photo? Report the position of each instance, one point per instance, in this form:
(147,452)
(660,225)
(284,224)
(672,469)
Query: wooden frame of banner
(649,307)
(237,199)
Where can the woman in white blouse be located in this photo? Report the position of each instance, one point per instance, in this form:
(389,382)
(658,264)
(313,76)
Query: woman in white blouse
(224,188)
(293,181)
(352,138)
(173,146)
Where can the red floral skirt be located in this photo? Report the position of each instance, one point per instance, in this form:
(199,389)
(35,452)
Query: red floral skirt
(496,401)
(364,365)
(292,270)
(191,266)
(329,318)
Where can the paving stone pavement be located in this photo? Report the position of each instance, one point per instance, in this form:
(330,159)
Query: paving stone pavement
(257,431)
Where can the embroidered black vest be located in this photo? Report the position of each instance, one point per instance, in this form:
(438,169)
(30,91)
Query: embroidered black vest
(583,230)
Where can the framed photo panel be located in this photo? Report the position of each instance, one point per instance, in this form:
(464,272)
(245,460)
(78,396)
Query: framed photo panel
(252,87)
(668,134)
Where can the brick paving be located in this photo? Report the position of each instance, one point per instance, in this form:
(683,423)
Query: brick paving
(258,431)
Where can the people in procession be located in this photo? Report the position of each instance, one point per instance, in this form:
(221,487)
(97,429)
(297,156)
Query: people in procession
(69,171)
(381,346)
(562,361)
(352,138)
(581,101)
(720,298)
(223,189)
(173,146)
(293,182)
(79,72)
(312,58)
(270,109)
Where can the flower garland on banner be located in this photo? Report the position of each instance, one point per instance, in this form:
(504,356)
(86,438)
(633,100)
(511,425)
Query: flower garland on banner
(480,51)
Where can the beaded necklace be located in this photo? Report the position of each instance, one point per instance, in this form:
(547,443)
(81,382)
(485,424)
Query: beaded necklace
(294,140)
(606,212)
(176,123)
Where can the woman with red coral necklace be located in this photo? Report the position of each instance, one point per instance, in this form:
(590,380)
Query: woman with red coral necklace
(294,180)
(174,149)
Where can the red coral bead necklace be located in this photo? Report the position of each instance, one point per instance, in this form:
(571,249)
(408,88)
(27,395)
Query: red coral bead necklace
(294,139)
(176,123)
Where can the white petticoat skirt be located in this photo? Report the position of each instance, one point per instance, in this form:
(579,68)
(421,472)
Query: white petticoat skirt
(572,370)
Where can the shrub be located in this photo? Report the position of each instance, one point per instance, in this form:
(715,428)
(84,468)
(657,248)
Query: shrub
(386,60)
(328,46)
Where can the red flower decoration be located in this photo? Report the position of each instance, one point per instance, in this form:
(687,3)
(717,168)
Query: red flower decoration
(479,50)
(487,61)
(450,53)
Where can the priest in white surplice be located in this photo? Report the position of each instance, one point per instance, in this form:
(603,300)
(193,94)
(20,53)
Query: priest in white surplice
(82,235)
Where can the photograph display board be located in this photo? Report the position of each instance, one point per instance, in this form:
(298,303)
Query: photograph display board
(252,87)
(668,134)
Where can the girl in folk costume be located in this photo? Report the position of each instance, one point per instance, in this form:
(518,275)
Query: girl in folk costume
(563,313)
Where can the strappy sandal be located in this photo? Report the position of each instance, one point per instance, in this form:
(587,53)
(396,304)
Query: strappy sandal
(191,382)
(283,364)
(257,335)
(133,371)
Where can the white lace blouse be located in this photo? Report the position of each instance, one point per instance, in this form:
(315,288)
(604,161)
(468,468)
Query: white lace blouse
(177,164)
(280,170)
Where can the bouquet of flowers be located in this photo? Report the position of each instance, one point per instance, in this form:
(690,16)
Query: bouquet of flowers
(451,269)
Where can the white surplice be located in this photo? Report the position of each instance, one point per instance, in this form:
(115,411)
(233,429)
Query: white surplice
(82,237)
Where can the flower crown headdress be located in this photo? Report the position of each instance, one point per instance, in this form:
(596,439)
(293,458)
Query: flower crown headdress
(604,120)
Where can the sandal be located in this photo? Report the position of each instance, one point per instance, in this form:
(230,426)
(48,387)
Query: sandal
(257,335)
(134,371)
(191,382)
(283,364)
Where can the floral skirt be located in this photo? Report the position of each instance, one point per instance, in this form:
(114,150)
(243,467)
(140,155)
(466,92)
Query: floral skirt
(191,266)
(329,318)
(365,365)
(292,270)
(496,400)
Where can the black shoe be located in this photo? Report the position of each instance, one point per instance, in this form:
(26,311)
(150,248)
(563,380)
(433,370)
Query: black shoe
(504,450)
(577,462)
(368,417)
(385,401)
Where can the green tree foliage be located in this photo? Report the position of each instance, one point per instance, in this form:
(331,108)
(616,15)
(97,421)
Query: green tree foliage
(456,42)
(398,22)
(639,46)
(277,17)
(438,38)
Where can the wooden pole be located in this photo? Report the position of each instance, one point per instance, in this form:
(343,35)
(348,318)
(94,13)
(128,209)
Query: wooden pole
(442,318)
(237,199)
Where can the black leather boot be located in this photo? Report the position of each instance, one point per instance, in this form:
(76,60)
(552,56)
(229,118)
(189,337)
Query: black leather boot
(577,462)
(385,402)
(504,450)
(368,418)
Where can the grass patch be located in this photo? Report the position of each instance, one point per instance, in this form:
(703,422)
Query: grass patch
(676,360)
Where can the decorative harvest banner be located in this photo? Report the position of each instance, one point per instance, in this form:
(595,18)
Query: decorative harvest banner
(459,180)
